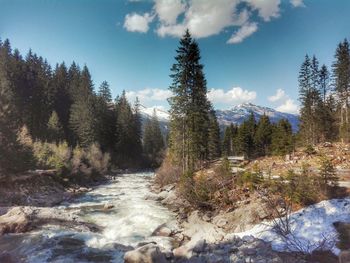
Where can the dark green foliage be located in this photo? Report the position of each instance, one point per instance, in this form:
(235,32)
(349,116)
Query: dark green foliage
(82,118)
(251,180)
(153,141)
(245,137)
(282,138)
(263,136)
(301,188)
(341,76)
(14,156)
(328,173)
(228,142)
(214,147)
(128,147)
(309,96)
(190,109)
(105,116)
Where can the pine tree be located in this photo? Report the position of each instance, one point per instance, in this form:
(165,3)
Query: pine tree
(245,137)
(82,117)
(263,136)
(190,109)
(14,157)
(227,142)
(310,100)
(54,129)
(341,77)
(105,117)
(327,117)
(282,138)
(62,100)
(136,131)
(153,142)
(128,144)
(328,172)
(104,92)
(214,147)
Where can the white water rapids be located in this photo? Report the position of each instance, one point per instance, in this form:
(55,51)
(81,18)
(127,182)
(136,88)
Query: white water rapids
(131,221)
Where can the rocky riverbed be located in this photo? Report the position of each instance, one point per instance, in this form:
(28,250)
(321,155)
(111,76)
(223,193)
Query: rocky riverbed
(129,219)
(206,237)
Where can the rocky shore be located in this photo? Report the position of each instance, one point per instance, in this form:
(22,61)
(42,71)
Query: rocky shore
(206,237)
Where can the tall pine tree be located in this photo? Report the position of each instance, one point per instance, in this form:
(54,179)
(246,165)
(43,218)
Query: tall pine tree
(341,77)
(190,109)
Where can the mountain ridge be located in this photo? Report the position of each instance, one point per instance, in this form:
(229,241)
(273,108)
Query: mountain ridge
(236,115)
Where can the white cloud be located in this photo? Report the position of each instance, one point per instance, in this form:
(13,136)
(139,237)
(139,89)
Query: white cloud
(169,10)
(245,31)
(280,95)
(297,3)
(288,106)
(267,9)
(206,18)
(149,96)
(233,96)
(137,23)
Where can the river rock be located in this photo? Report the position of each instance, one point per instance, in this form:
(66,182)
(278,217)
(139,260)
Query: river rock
(198,229)
(163,195)
(16,220)
(162,231)
(108,206)
(182,252)
(149,253)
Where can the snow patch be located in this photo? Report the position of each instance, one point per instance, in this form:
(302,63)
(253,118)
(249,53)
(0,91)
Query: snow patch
(310,226)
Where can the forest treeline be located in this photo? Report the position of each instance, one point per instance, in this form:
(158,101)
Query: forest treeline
(60,109)
(325,98)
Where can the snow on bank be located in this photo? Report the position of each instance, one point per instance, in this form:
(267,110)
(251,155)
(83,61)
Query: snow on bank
(309,226)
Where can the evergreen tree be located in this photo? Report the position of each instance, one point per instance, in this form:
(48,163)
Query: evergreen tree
(153,142)
(62,100)
(14,157)
(263,136)
(328,173)
(190,109)
(104,92)
(327,117)
(341,76)
(82,117)
(128,132)
(310,100)
(227,142)
(245,137)
(282,138)
(214,147)
(38,81)
(105,116)
(54,129)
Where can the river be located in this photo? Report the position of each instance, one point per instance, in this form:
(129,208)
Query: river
(131,221)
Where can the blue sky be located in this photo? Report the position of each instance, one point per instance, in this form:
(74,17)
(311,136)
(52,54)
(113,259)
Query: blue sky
(251,49)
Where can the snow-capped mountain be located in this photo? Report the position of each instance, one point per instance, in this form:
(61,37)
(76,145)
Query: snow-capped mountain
(235,115)
(241,112)
(162,115)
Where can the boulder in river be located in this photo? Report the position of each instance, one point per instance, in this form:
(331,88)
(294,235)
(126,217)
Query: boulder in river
(16,220)
(149,253)
(108,206)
